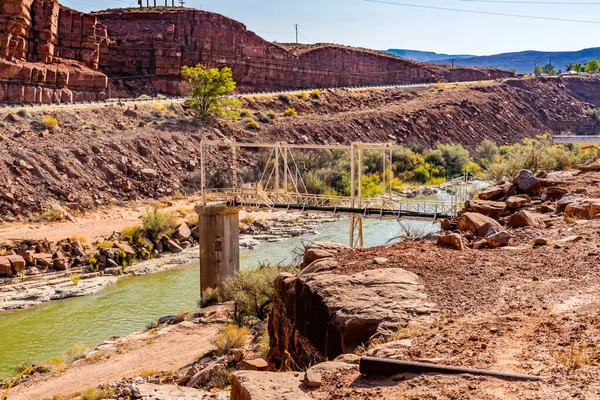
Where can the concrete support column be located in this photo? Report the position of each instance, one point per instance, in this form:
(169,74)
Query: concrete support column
(219,244)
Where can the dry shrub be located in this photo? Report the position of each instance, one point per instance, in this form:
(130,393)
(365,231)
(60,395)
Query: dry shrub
(95,394)
(49,122)
(578,355)
(231,337)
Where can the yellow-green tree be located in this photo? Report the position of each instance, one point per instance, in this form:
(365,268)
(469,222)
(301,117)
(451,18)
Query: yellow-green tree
(592,66)
(209,85)
(538,70)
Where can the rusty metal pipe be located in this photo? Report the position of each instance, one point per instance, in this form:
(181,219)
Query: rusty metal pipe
(390,367)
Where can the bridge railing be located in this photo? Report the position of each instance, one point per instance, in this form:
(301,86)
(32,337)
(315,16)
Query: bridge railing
(257,198)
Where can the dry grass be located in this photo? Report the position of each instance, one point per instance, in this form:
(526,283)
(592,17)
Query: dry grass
(577,355)
(49,122)
(231,337)
(80,238)
(149,373)
(95,394)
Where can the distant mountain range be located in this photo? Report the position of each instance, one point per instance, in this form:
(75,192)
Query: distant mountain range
(523,61)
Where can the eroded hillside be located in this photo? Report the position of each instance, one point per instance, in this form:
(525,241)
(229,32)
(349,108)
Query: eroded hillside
(105,153)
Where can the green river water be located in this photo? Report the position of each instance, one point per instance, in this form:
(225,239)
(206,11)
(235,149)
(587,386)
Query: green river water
(48,330)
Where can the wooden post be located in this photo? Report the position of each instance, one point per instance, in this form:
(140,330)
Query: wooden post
(359,175)
(352,175)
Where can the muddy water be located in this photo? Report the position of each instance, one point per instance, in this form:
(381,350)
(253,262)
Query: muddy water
(48,330)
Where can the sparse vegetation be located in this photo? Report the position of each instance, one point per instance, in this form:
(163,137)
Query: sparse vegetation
(209,297)
(75,279)
(251,124)
(74,353)
(290,112)
(230,337)
(303,96)
(94,393)
(93,263)
(157,222)
(593,114)
(252,291)
(577,355)
(315,94)
(49,122)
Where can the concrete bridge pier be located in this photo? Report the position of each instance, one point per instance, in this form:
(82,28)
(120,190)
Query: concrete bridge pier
(219,244)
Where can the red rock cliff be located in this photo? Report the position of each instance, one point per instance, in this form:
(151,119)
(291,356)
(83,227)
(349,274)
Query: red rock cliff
(49,53)
(158,42)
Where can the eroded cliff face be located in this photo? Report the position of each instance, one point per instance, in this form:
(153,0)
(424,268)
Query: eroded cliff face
(157,43)
(49,53)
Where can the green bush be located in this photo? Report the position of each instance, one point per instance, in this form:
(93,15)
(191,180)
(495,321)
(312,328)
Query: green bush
(252,291)
(251,125)
(157,222)
(315,94)
(455,158)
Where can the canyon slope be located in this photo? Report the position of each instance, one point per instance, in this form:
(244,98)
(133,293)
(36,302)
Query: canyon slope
(102,154)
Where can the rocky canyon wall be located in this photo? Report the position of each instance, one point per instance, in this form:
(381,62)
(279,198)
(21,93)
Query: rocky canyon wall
(49,53)
(157,43)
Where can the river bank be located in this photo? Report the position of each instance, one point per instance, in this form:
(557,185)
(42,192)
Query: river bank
(28,290)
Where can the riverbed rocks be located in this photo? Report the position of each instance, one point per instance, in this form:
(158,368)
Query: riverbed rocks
(254,385)
(451,240)
(528,183)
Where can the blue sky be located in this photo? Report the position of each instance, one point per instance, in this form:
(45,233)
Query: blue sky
(383,26)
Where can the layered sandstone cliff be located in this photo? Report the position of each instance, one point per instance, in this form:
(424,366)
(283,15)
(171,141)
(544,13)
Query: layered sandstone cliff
(156,43)
(49,53)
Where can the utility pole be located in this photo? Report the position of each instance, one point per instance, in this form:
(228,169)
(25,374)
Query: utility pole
(453,74)
(181,2)
(296,26)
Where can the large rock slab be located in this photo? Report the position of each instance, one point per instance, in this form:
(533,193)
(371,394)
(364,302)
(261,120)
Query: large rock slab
(473,222)
(254,385)
(488,208)
(522,219)
(322,315)
(149,391)
(583,209)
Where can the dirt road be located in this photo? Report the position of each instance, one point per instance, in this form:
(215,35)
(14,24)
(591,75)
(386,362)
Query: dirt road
(166,349)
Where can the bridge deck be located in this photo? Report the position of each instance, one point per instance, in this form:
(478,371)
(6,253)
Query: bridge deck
(377,207)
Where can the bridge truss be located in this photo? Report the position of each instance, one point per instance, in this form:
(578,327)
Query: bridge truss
(281,186)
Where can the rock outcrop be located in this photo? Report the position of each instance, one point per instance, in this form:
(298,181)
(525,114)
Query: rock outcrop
(322,315)
(158,42)
(49,53)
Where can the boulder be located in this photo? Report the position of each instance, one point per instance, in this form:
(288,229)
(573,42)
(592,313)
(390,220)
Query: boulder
(520,201)
(583,209)
(524,219)
(17,262)
(480,244)
(321,316)
(312,379)
(205,374)
(494,192)
(43,259)
(77,248)
(130,113)
(472,222)
(555,191)
(183,232)
(171,245)
(539,242)
(127,249)
(500,239)
(528,183)
(5,266)
(258,364)
(149,173)
(313,254)
(451,240)
(318,266)
(594,166)
(488,208)
(380,260)
(255,385)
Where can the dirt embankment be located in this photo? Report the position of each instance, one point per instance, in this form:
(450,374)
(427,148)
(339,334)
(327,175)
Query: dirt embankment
(105,154)
(530,307)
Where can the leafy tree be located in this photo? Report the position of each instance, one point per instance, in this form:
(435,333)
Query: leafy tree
(577,67)
(208,87)
(538,70)
(550,69)
(455,158)
(592,66)
(569,67)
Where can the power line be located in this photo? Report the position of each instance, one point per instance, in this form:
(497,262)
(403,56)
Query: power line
(558,3)
(484,12)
